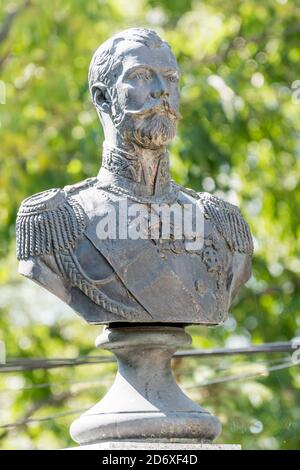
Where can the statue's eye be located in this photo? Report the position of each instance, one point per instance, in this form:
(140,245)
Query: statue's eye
(142,75)
(172,77)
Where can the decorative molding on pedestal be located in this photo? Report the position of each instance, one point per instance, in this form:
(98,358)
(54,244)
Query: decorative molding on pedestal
(134,445)
(144,403)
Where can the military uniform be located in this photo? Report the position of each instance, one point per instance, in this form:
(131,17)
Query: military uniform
(144,280)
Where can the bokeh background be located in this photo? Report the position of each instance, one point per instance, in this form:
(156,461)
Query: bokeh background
(239,139)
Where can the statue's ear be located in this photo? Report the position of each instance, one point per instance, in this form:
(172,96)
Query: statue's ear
(101,97)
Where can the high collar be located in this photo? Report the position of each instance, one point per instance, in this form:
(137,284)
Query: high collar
(135,174)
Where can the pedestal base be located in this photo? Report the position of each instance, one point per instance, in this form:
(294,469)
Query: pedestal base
(144,403)
(155,446)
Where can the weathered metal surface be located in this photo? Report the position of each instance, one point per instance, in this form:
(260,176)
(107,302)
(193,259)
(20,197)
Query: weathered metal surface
(109,275)
(134,86)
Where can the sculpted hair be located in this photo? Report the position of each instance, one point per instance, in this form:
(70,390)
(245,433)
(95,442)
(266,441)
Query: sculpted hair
(105,60)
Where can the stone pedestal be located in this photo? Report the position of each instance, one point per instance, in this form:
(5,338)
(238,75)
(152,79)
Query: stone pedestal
(133,445)
(144,404)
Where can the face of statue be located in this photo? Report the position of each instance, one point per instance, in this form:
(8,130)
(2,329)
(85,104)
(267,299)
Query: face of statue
(146,95)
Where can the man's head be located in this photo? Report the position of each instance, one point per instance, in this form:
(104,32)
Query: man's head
(133,79)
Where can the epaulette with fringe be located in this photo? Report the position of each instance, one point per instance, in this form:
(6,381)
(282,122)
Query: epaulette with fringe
(48,221)
(229,222)
(227,218)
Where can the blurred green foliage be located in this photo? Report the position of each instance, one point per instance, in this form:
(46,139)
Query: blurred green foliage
(240,139)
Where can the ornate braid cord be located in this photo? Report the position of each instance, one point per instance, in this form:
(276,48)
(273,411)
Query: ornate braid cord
(168,198)
(92,292)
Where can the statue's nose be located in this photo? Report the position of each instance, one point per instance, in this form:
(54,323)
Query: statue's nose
(159,93)
(159,89)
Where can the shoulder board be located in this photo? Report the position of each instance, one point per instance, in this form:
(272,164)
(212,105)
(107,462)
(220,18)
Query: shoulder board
(185,190)
(48,221)
(74,188)
(229,222)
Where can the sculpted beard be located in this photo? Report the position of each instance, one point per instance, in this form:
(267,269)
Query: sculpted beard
(151,129)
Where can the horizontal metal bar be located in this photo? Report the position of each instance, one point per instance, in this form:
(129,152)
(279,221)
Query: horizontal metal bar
(253,349)
(21,364)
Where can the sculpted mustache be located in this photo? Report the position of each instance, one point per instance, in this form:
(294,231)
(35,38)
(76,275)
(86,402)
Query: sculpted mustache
(163,107)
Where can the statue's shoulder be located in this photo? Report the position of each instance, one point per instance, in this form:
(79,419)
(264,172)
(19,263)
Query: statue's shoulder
(229,221)
(50,221)
(81,186)
(227,218)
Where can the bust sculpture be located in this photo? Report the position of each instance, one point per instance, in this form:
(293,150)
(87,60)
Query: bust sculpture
(133,80)
(134,84)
